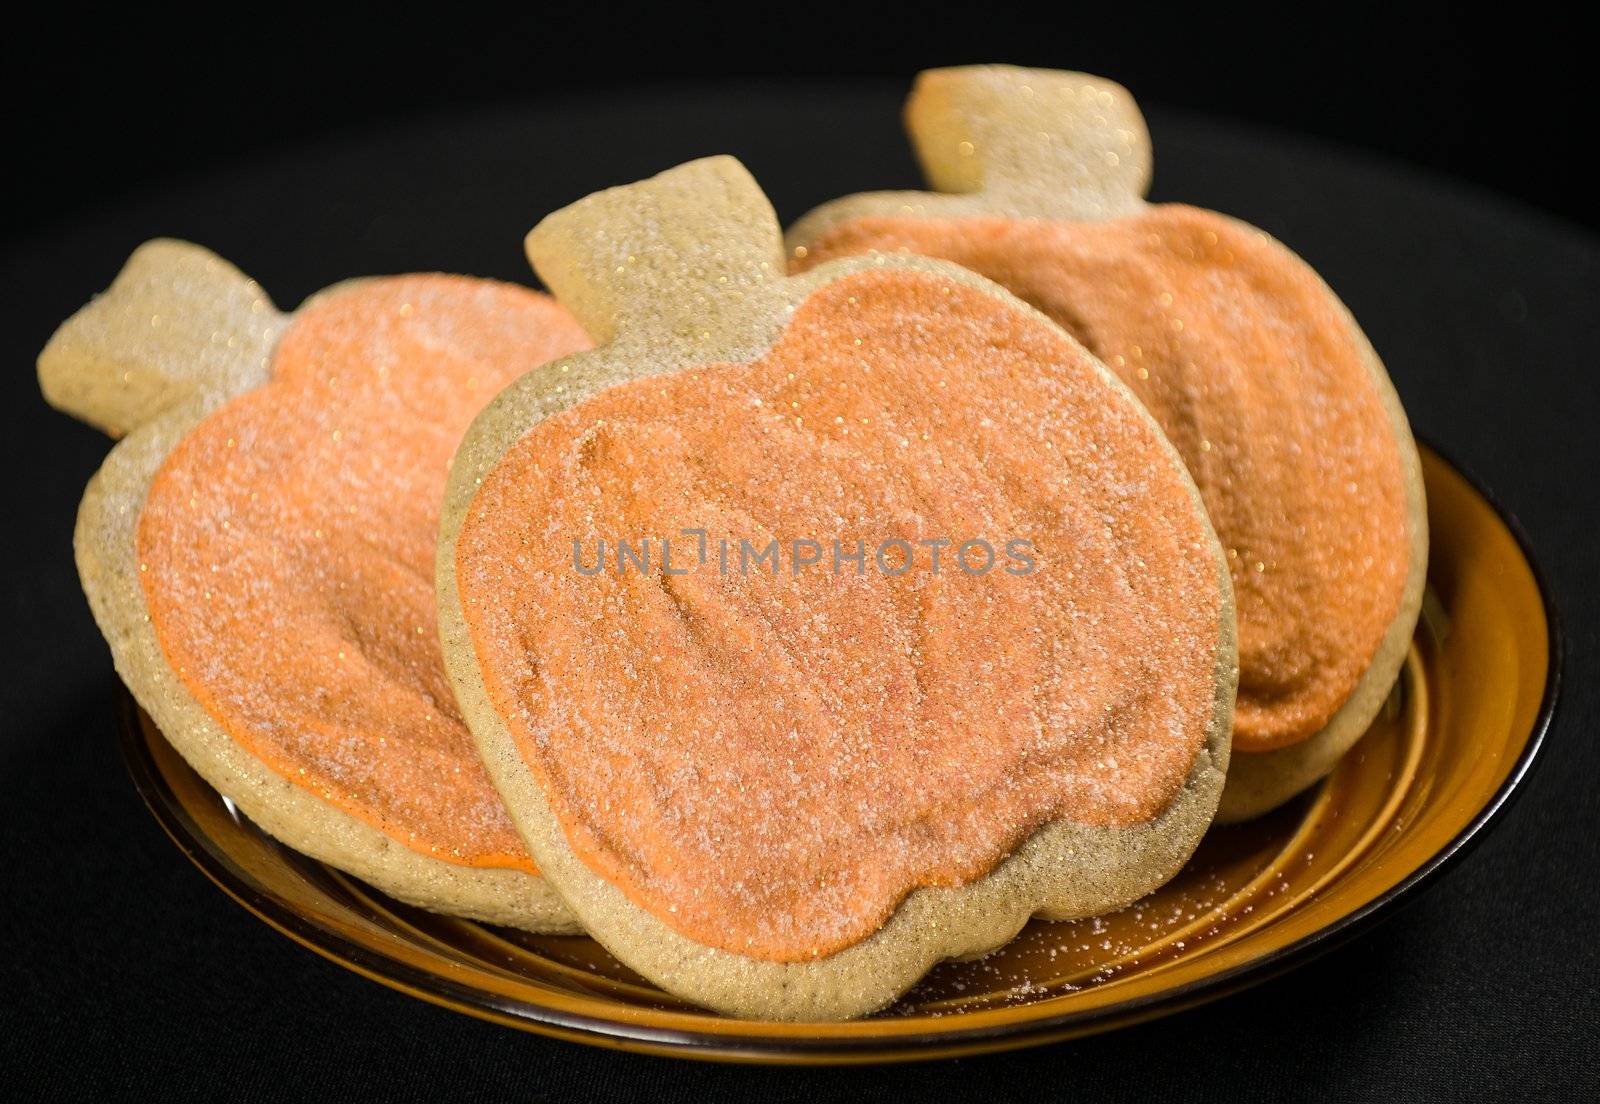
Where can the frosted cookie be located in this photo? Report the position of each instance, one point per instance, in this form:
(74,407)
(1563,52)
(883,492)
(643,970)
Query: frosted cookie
(1255,370)
(258,551)
(776,755)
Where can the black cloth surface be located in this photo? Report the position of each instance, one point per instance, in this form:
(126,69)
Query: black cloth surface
(126,973)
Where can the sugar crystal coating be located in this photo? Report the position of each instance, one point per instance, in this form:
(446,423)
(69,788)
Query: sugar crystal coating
(1259,379)
(286,551)
(769,761)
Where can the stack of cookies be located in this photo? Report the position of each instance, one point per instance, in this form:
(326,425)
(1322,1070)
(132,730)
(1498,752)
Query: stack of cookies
(788,617)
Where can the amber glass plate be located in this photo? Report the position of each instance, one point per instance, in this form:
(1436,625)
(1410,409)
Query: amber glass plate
(1458,735)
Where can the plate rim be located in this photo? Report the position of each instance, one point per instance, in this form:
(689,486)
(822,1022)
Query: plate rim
(746,1047)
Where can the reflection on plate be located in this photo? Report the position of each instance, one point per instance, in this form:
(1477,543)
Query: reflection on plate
(1458,735)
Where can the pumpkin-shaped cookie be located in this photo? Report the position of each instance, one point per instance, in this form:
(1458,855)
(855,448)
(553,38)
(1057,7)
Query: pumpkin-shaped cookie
(1254,369)
(819,628)
(258,551)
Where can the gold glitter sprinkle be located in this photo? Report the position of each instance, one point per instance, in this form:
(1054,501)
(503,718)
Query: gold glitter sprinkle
(261,582)
(1023,390)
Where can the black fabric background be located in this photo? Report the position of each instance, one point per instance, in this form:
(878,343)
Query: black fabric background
(129,92)
(125,973)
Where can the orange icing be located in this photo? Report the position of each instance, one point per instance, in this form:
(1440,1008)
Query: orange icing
(287,549)
(1258,377)
(770,762)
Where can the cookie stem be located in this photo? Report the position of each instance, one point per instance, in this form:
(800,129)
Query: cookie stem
(1036,142)
(675,256)
(178,321)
